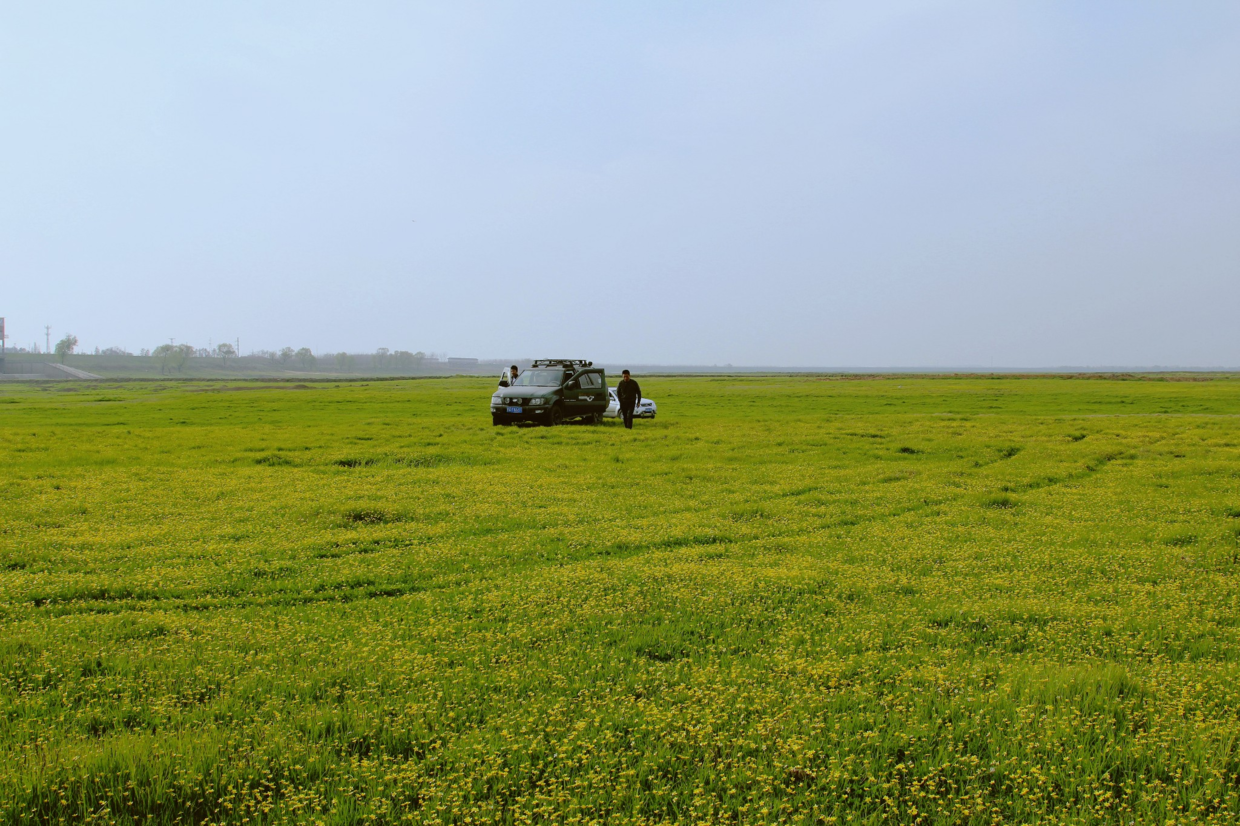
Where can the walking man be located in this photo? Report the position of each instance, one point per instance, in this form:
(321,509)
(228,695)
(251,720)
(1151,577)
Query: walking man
(628,393)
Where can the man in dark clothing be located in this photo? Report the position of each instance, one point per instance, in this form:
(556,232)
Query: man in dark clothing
(628,393)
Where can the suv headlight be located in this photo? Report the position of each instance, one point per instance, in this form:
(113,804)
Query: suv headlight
(536,402)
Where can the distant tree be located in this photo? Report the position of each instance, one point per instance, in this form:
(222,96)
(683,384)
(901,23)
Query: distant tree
(164,353)
(381,358)
(286,355)
(145,351)
(344,362)
(418,358)
(181,354)
(306,358)
(202,353)
(404,360)
(119,351)
(66,346)
(225,352)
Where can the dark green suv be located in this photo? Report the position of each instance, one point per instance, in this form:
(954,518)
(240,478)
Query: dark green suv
(552,391)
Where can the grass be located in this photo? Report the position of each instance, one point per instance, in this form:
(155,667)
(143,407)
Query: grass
(788,599)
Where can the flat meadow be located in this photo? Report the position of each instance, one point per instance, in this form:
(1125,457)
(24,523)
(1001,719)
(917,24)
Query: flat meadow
(789,599)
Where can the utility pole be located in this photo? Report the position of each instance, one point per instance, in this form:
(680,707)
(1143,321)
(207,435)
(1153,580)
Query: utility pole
(47,331)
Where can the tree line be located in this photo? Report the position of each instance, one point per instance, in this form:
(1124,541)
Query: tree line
(173,358)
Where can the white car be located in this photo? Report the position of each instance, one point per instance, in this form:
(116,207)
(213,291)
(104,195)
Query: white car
(645,408)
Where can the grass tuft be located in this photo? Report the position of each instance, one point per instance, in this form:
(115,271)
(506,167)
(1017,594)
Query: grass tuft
(369,516)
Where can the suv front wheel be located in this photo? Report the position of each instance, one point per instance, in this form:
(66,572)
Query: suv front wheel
(555,415)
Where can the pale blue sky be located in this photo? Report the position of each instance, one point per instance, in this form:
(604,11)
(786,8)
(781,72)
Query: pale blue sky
(764,183)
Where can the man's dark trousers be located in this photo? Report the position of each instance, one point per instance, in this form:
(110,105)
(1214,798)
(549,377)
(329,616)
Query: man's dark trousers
(627,414)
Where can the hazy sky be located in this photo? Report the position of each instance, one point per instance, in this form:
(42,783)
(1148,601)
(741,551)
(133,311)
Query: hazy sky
(761,183)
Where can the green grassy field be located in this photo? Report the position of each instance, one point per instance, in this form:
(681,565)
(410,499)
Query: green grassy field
(897,600)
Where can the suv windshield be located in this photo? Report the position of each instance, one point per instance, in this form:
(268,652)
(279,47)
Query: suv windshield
(539,378)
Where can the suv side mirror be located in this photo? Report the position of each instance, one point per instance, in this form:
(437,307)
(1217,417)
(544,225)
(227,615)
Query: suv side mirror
(573,384)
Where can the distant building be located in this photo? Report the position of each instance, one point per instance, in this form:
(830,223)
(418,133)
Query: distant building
(460,362)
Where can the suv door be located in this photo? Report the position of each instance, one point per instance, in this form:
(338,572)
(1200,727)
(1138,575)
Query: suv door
(593,391)
(570,391)
(586,390)
(583,393)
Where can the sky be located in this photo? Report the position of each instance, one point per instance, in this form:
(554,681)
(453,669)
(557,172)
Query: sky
(932,183)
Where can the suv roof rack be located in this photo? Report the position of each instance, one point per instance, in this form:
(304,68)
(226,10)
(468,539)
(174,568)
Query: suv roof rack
(571,364)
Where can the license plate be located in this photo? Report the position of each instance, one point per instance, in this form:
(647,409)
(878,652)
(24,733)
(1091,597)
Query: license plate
(514,410)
